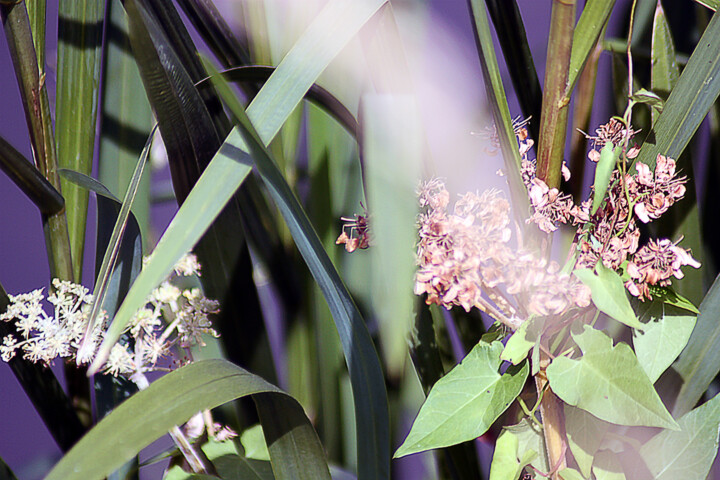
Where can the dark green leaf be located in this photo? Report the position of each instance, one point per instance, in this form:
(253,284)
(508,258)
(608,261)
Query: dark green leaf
(592,21)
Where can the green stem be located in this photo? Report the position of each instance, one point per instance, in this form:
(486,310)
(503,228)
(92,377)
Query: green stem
(556,101)
(37,114)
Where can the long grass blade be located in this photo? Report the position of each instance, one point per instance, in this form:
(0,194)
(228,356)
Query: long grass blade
(80,30)
(593,20)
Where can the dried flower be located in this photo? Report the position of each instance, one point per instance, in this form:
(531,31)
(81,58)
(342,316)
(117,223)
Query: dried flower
(614,132)
(654,264)
(359,237)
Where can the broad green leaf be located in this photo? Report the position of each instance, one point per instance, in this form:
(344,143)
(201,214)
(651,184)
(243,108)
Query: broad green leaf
(531,443)
(230,465)
(608,294)
(607,467)
(584,433)
(696,90)
(671,297)
(506,463)
(570,474)
(608,382)
(699,362)
(593,19)
(464,403)
(80,32)
(667,331)
(603,171)
(688,453)
(172,400)
(526,337)
(392,148)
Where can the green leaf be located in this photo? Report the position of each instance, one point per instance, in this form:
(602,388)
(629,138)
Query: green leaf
(531,443)
(669,296)
(80,31)
(360,355)
(392,146)
(608,382)
(607,467)
(696,90)
(664,71)
(699,362)
(593,19)
(603,171)
(253,442)
(688,453)
(711,4)
(230,465)
(608,294)
(570,474)
(177,473)
(172,400)
(464,403)
(506,462)
(648,98)
(526,337)
(667,331)
(584,433)
(499,106)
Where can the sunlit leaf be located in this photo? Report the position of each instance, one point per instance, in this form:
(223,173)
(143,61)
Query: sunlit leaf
(688,453)
(466,401)
(506,463)
(667,331)
(608,294)
(172,400)
(607,467)
(608,382)
(584,433)
(603,171)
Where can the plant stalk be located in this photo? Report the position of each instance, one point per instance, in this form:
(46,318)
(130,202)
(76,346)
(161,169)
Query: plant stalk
(553,420)
(37,114)
(556,100)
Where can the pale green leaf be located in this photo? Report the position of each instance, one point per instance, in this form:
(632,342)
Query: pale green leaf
(464,403)
(253,442)
(608,294)
(230,465)
(667,331)
(177,473)
(688,453)
(607,467)
(531,443)
(506,463)
(648,98)
(570,474)
(603,172)
(584,433)
(608,382)
(525,337)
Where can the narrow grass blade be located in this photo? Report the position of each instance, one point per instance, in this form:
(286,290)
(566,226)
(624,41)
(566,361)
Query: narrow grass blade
(392,148)
(80,31)
(697,89)
(699,362)
(593,20)
(37,12)
(29,179)
(126,118)
(369,392)
(498,103)
(510,29)
(173,399)
(711,4)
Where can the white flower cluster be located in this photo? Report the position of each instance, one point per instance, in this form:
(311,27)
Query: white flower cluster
(171,318)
